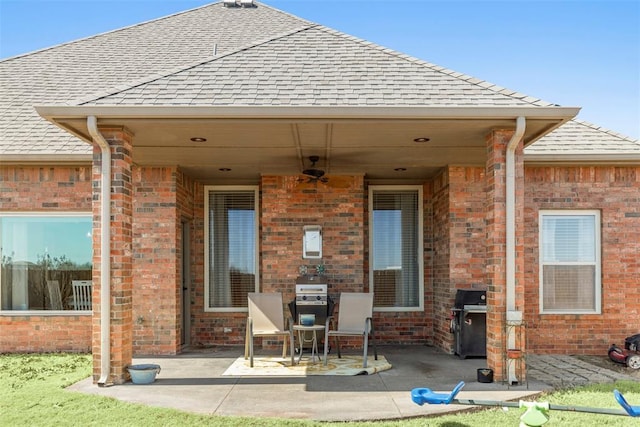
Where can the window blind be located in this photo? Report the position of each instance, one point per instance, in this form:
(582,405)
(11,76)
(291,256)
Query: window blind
(395,247)
(569,273)
(232,247)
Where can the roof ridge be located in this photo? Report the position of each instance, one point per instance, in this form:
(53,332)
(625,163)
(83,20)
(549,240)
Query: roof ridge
(165,73)
(291,15)
(437,68)
(606,130)
(93,36)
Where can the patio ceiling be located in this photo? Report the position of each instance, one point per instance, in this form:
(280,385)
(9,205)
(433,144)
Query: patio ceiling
(254,141)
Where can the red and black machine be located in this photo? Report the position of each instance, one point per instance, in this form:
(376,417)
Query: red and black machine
(630,355)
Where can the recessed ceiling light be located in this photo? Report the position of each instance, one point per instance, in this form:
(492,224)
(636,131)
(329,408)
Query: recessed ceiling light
(224,170)
(198,139)
(400,169)
(421,139)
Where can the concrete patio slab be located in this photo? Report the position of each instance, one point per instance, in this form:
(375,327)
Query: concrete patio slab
(193,382)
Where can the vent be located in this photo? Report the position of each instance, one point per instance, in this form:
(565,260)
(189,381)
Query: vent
(238,3)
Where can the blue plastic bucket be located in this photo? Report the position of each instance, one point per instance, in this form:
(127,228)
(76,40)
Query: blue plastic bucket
(143,374)
(307,319)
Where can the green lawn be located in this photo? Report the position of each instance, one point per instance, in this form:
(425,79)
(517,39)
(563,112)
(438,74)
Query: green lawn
(32,394)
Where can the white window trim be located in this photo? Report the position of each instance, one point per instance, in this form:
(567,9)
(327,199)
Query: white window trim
(598,261)
(43,313)
(373,188)
(207,189)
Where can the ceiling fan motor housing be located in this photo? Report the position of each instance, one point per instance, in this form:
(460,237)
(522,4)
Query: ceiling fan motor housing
(312,171)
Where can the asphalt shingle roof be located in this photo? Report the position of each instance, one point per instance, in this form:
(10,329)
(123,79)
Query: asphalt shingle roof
(214,55)
(76,69)
(578,136)
(324,68)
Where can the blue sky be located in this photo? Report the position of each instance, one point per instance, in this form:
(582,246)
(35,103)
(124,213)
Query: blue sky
(573,53)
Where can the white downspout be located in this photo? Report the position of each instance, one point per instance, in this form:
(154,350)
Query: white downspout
(105,251)
(513,317)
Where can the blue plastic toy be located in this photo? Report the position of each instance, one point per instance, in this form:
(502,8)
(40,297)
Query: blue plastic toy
(536,414)
(634,411)
(425,395)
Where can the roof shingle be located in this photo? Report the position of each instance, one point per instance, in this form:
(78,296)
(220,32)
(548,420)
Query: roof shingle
(73,70)
(326,67)
(214,55)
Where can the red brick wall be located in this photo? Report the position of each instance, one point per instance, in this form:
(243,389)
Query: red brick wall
(45,189)
(155,262)
(338,207)
(615,191)
(442,299)
(455,256)
(425,331)
(286,206)
(459,207)
(35,333)
(186,189)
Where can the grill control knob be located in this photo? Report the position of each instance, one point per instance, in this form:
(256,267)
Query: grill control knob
(318,297)
(304,297)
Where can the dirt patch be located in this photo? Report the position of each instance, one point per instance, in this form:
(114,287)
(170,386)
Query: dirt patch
(605,362)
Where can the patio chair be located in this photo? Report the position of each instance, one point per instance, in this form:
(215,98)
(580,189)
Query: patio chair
(53,286)
(355,318)
(266,319)
(82,294)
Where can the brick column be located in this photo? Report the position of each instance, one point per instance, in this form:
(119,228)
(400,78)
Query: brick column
(459,242)
(496,247)
(121,258)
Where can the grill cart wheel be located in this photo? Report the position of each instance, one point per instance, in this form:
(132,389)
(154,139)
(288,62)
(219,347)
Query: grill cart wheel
(633,361)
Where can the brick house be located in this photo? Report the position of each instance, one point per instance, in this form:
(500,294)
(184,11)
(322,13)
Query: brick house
(194,143)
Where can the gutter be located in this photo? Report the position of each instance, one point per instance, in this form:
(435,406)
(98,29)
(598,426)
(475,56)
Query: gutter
(71,159)
(61,113)
(619,158)
(105,251)
(514,317)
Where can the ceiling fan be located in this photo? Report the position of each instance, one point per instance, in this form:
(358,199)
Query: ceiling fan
(312,173)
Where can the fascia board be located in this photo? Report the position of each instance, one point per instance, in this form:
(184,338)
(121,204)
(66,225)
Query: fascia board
(60,112)
(582,159)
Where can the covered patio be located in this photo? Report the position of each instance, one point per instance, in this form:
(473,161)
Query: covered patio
(451,151)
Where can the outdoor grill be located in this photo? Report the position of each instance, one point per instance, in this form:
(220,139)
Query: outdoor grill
(312,298)
(469,323)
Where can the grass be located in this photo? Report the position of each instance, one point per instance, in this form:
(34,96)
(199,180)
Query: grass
(32,392)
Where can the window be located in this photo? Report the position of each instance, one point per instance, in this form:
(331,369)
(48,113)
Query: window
(43,254)
(231,249)
(570,261)
(395,260)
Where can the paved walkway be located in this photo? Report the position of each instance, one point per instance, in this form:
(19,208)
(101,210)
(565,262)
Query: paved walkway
(194,382)
(567,371)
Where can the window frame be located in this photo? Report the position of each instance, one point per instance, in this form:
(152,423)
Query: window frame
(420,248)
(41,214)
(597,263)
(207,244)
